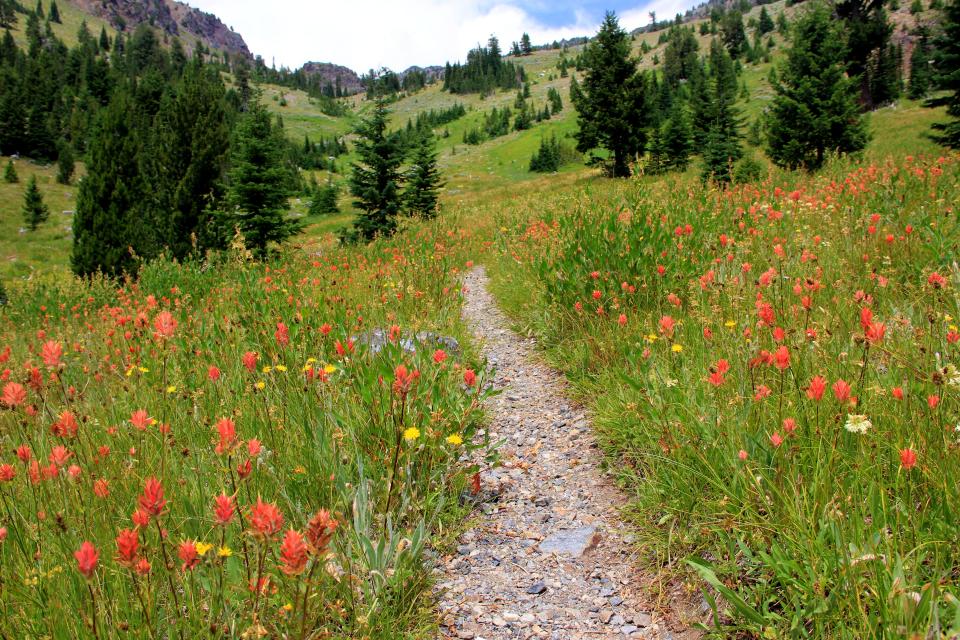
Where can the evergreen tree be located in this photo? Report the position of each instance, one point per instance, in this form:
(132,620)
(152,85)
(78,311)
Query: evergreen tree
(8,13)
(815,108)
(65,162)
(104,39)
(548,157)
(677,139)
(722,143)
(258,186)
(869,54)
(610,103)
(39,10)
(376,179)
(10,173)
(765,23)
(109,221)
(921,75)
(783,26)
(34,210)
(680,56)
(734,35)
(54,15)
(423,178)
(947,58)
(525,47)
(324,200)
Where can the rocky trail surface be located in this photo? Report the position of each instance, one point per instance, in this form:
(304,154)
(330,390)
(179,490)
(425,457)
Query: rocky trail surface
(549,557)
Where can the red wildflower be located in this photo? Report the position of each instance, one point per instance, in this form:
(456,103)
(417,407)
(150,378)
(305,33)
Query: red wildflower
(66,426)
(622,320)
(875,332)
(265,519)
(439,356)
(667,325)
(52,352)
(908,458)
(228,436)
(781,358)
(817,386)
(293,554)
(933,401)
(841,390)
(897,392)
(596,294)
(87,557)
(253,447)
(775,439)
(13,394)
(127,545)
(188,554)
(101,488)
(319,530)
(152,501)
(223,509)
(141,419)
(24,452)
(469,377)
(742,455)
(936,280)
(164,325)
(282,334)
(244,469)
(59,455)
(249,360)
(213,373)
(789,425)
(7,472)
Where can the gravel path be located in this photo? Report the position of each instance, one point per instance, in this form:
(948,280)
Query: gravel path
(550,558)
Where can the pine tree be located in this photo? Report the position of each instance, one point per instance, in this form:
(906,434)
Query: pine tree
(110,220)
(39,10)
(548,157)
(868,52)
(8,13)
(677,138)
(765,23)
(34,210)
(324,200)
(947,58)
(525,46)
(921,75)
(54,12)
(376,179)
(722,143)
(815,109)
(258,186)
(10,173)
(104,39)
(423,178)
(610,102)
(734,35)
(65,162)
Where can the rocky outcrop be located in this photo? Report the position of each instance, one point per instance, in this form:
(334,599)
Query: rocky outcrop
(171,17)
(329,72)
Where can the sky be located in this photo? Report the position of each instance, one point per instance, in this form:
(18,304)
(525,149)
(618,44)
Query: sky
(369,34)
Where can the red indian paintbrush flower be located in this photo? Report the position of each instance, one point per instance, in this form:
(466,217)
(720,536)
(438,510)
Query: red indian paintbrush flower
(223,509)
(908,458)
(66,426)
(319,530)
(128,544)
(151,501)
(816,388)
(213,373)
(439,356)
(293,553)
(14,394)
(164,325)
(249,360)
(87,557)
(781,358)
(265,519)
(227,431)
(140,419)
(282,334)
(51,352)
(188,554)
(841,390)
(469,377)
(7,472)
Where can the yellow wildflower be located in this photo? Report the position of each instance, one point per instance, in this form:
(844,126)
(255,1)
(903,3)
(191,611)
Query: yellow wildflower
(267,368)
(224,552)
(729,324)
(676,348)
(329,368)
(171,389)
(260,385)
(455,439)
(281,368)
(203,547)
(411,434)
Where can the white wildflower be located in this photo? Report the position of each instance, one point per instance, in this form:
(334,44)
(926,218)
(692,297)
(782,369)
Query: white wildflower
(857,423)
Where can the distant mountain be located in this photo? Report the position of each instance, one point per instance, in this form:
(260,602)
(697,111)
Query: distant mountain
(432,73)
(329,72)
(171,17)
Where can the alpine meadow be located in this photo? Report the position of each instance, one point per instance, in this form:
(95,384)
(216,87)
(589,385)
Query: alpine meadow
(648,328)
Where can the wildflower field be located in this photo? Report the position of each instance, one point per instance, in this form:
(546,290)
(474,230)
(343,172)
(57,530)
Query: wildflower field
(220,450)
(774,369)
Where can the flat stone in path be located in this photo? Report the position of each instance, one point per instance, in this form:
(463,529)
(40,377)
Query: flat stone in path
(550,557)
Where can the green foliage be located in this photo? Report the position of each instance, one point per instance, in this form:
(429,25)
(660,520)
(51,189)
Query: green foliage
(870,56)
(548,157)
(10,173)
(8,13)
(556,102)
(722,146)
(324,200)
(815,109)
(65,162)
(916,7)
(54,15)
(947,59)
(611,101)
(35,212)
(921,74)
(376,179)
(765,24)
(423,178)
(258,183)
(748,169)
(484,72)
(680,61)
(733,32)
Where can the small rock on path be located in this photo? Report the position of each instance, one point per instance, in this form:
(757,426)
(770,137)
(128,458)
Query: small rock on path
(550,558)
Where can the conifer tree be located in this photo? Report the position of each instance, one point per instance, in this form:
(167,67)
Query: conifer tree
(610,102)
(765,22)
(677,138)
(109,221)
(947,58)
(734,35)
(65,162)
(423,178)
(34,210)
(54,15)
(324,200)
(920,72)
(815,109)
(10,173)
(39,10)
(376,179)
(722,143)
(258,183)
(104,39)
(8,13)
(525,46)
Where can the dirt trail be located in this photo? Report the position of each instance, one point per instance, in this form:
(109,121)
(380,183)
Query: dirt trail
(550,558)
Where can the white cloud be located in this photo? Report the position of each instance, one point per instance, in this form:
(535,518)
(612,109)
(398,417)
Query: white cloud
(365,34)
